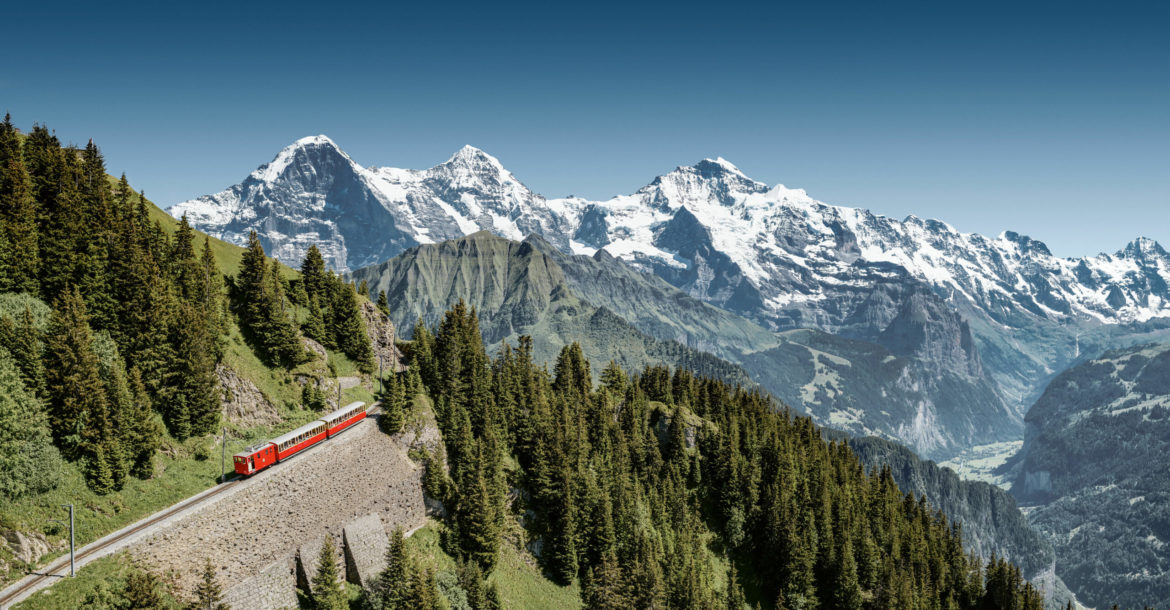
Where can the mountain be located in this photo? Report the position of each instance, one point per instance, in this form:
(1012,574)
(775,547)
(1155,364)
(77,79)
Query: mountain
(1092,473)
(1001,314)
(517,290)
(313,193)
(531,287)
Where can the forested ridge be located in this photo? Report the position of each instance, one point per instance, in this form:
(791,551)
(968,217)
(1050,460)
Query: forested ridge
(666,490)
(112,325)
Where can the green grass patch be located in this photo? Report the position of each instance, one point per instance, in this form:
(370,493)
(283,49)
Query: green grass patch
(518,578)
(108,572)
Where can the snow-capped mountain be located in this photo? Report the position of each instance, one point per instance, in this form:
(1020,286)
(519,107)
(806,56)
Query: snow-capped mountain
(770,253)
(312,192)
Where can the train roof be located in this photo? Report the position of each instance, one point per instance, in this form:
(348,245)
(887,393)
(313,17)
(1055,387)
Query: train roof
(299,431)
(343,410)
(252,449)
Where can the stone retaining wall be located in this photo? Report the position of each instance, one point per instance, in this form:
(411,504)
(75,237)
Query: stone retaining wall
(360,473)
(365,549)
(274,588)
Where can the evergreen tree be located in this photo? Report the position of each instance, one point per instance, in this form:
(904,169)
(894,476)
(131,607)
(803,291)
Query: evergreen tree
(424,593)
(78,404)
(393,404)
(328,590)
(143,433)
(313,273)
(208,594)
(19,253)
(28,459)
(144,592)
(347,327)
(190,400)
(314,325)
(392,588)
(24,343)
(383,305)
(262,310)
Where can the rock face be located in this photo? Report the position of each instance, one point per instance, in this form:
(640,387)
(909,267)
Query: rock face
(519,290)
(380,330)
(27,546)
(243,403)
(1093,470)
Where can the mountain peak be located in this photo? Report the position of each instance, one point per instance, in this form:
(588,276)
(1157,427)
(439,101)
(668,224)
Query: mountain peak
(471,156)
(273,169)
(1142,248)
(719,164)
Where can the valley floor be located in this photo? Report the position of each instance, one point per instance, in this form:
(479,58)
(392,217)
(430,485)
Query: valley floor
(979,463)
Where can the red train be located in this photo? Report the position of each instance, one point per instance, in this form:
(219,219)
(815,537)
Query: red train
(262,455)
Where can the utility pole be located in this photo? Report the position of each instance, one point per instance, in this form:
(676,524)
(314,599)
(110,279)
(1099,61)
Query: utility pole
(338,391)
(223,457)
(380,390)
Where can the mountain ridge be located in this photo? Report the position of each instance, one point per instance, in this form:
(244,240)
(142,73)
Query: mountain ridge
(771,254)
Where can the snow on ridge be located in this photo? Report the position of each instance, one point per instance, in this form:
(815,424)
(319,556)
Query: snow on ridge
(759,228)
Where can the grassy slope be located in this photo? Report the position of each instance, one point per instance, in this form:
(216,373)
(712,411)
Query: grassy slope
(520,582)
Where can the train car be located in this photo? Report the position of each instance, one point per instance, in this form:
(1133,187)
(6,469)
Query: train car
(298,440)
(255,458)
(343,418)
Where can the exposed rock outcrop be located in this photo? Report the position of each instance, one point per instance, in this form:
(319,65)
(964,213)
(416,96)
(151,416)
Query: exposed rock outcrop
(243,403)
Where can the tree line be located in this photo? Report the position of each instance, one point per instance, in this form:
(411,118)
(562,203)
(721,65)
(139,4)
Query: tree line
(641,487)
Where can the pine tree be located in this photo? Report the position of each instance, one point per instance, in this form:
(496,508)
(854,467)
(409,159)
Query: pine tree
(424,593)
(735,597)
(211,292)
(383,305)
(78,406)
(143,592)
(191,399)
(143,434)
(391,590)
(262,310)
(208,594)
(347,328)
(605,587)
(313,273)
(328,591)
(25,345)
(19,253)
(393,405)
(28,459)
(314,325)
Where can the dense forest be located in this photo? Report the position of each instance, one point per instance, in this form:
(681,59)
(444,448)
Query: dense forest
(667,490)
(111,326)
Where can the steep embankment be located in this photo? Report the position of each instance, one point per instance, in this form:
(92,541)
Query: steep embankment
(1093,469)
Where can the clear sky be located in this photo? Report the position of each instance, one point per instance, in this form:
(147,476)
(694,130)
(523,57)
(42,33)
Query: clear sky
(1050,119)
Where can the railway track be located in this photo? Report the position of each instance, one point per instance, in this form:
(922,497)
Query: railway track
(60,567)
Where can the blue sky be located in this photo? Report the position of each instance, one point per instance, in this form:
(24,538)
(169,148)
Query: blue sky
(1050,119)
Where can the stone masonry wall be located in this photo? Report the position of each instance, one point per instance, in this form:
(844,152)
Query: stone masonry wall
(273,588)
(365,549)
(361,472)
